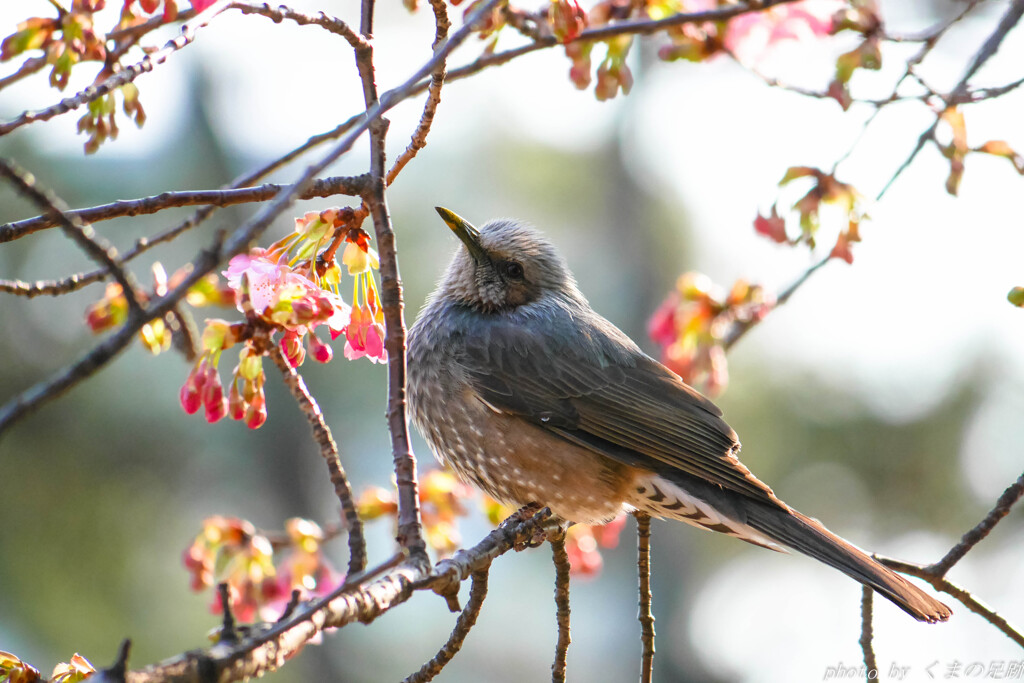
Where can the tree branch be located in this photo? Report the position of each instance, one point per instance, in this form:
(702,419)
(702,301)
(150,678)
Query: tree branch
(467,618)
(948,587)
(1002,507)
(29,66)
(561,559)
(959,92)
(419,136)
(329,450)
(645,614)
(740,327)
(361,598)
(280,13)
(410,532)
(326,187)
(79,232)
(122,77)
(866,634)
(935,573)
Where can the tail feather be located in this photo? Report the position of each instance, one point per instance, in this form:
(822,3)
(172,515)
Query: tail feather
(810,537)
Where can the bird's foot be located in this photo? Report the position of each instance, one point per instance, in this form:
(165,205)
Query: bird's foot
(531,522)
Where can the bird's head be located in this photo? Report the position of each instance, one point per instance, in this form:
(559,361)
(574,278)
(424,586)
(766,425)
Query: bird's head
(503,265)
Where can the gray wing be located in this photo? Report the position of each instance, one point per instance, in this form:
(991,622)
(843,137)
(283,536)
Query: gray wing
(588,383)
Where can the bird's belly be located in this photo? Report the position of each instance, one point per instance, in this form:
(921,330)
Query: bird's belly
(517,462)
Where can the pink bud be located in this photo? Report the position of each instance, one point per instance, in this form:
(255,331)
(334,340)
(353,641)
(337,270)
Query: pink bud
(293,350)
(256,414)
(213,396)
(190,398)
(322,352)
(215,410)
(191,395)
(236,404)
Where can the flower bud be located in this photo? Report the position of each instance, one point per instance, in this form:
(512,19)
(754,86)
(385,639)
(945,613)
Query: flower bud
(322,352)
(293,349)
(256,413)
(236,403)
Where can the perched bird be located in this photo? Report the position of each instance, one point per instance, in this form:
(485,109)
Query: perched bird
(526,392)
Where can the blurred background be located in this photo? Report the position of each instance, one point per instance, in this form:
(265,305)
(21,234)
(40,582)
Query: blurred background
(885,398)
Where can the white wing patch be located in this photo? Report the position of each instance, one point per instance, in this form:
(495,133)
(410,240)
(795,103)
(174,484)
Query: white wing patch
(661,498)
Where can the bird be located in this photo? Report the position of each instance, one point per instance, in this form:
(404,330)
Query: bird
(523,390)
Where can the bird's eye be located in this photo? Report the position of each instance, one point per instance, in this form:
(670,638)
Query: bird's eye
(511,270)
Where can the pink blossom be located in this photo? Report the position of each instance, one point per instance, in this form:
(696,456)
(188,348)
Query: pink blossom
(748,36)
(340,318)
(364,337)
(263,274)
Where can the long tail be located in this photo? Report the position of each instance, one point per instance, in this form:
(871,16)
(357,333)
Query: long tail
(809,537)
(704,505)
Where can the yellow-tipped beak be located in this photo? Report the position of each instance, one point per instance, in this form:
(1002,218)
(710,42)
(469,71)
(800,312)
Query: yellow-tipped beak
(465,231)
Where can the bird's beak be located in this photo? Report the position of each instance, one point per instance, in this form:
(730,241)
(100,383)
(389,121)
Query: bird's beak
(465,231)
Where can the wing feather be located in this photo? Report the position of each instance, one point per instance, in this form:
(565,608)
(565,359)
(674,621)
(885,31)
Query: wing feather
(585,381)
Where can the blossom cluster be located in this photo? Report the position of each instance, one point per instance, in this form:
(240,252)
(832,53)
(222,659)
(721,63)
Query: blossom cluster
(112,310)
(14,670)
(745,37)
(690,327)
(825,191)
(230,550)
(291,288)
(441,506)
(72,38)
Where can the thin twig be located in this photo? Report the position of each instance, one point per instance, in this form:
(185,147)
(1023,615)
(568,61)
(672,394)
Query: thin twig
(960,91)
(227,627)
(467,618)
(122,77)
(28,67)
(645,613)
(448,573)
(561,559)
(1002,507)
(326,187)
(995,91)
(638,27)
(139,30)
(80,233)
(935,573)
(946,586)
(866,633)
(213,198)
(280,13)
(741,327)
(419,136)
(329,450)
(185,332)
